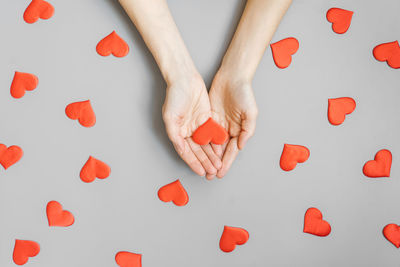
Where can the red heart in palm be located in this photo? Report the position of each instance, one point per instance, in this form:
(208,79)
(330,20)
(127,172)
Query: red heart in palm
(210,131)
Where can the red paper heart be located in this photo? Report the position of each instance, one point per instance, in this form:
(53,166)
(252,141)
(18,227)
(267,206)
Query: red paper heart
(174,192)
(392,233)
(38,9)
(10,155)
(293,154)
(340,19)
(57,216)
(93,169)
(338,108)
(389,52)
(83,112)
(112,44)
(23,250)
(313,223)
(128,259)
(210,131)
(380,166)
(23,82)
(231,237)
(283,50)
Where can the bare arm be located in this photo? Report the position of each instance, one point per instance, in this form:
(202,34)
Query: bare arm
(186,105)
(231,94)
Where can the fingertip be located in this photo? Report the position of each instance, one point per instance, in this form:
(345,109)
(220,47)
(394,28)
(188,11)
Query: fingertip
(210,176)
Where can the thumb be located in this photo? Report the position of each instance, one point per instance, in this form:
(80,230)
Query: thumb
(248,129)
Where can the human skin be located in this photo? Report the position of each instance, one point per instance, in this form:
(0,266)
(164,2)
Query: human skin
(230,101)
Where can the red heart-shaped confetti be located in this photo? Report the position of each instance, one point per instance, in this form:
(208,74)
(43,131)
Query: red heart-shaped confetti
(232,236)
(174,192)
(83,112)
(293,154)
(128,259)
(313,223)
(338,108)
(392,233)
(38,9)
(56,216)
(210,131)
(10,155)
(93,169)
(23,250)
(389,52)
(23,82)
(283,50)
(112,44)
(340,19)
(380,166)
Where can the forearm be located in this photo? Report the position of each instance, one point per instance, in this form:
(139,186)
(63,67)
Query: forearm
(153,20)
(257,25)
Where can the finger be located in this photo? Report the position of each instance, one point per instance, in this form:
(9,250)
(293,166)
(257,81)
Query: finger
(191,160)
(202,157)
(210,176)
(217,150)
(215,160)
(230,154)
(248,129)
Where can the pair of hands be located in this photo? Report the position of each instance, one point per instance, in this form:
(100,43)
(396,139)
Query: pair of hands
(230,102)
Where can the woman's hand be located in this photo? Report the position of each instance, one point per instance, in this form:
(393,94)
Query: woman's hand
(186,107)
(234,107)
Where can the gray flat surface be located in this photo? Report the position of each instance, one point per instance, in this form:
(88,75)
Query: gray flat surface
(123,211)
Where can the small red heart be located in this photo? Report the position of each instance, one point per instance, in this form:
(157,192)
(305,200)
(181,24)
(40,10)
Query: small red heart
(10,155)
(174,192)
(210,131)
(380,166)
(94,168)
(293,154)
(392,233)
(389,52)
(57,216)
(112,44)
(38,9)
(23,82)
(313,223)
(23,250)
(81,111)
(128,259)
(232,236)
(338,108)
(340,19)
(283,50)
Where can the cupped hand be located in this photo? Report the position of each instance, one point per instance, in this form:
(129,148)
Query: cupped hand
(234,107)
(186,107)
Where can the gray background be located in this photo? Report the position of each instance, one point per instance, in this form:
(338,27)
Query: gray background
(123,211)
